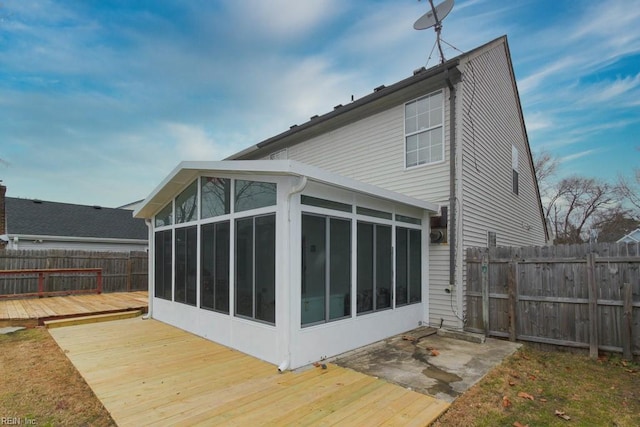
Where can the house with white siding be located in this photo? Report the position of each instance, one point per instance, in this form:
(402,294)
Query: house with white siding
(350,227)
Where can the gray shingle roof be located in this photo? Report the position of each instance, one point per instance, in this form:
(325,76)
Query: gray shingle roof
(34,217)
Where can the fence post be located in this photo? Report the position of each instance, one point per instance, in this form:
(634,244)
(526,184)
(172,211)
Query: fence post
(485,291)
(99,280)
(512,283)
(627,321)
(593,306)
(129,272)
(41,284)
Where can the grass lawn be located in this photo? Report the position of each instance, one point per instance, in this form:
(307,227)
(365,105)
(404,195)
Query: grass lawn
(533,387)
(39,385)
(551,388)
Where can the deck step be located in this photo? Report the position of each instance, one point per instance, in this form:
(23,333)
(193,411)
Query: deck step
(72,321)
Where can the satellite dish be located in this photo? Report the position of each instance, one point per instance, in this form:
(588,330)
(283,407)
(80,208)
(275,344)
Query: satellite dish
(434,18)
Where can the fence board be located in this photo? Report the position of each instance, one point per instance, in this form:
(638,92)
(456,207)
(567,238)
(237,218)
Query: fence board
(542,294)
(122,271)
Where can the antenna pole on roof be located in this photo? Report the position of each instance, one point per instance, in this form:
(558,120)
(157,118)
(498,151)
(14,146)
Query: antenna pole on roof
(438,28)
(434,18)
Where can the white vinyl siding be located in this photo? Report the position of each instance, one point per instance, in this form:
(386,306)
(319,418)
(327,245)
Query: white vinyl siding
(491,107)
(372,150)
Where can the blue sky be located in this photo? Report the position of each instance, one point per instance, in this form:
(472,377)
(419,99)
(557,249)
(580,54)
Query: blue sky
(100,99)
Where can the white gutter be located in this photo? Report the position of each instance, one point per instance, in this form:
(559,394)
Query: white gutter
(302,183)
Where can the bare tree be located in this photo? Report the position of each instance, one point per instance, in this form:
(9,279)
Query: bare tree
(582,199)
(546,166)
(614,224)
(572,204)
(629,190)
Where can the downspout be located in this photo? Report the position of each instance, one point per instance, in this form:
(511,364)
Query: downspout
(150,277)
(452,182)
(302,183)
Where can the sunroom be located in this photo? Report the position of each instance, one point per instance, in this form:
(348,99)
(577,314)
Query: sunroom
(285,261)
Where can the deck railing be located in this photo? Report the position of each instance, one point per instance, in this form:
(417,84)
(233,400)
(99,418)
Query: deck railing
(44,273)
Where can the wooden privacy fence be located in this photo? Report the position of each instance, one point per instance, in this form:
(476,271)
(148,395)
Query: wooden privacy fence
(44,274)
(121,271)
(575,295)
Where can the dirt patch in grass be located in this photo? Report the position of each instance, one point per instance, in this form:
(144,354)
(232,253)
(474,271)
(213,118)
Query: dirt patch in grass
(535,387)
(41,387)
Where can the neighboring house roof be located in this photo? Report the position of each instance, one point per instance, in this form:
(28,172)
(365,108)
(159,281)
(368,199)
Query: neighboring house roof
(633,237)
(42,218)
(186,172)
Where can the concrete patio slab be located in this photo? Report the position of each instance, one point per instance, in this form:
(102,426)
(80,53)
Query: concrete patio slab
(426,362)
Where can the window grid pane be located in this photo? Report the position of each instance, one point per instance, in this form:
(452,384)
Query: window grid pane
(187,204)
(244,267)
(165,216)
(424,130)
(216,196)
(214,269)
(163,264)
(254,195)
(340,268)
(313,269)
(186,265)
(365,273)
(323,203)
(415,266)
(265,268)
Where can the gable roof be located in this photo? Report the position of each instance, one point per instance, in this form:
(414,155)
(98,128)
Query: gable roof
(422,81)
(187,171)
(383,97)
(42,218)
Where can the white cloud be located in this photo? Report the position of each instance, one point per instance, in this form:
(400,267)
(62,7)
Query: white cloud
(532,81)
(537,121)
(192,142)
(281,19)
(578,155)
(611,90)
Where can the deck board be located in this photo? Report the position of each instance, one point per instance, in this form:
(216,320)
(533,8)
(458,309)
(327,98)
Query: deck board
(33,311)
(148,373)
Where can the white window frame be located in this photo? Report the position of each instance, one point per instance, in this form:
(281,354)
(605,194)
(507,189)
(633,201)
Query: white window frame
(422,131)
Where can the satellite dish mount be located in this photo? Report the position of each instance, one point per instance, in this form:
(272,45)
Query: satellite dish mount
(434,18)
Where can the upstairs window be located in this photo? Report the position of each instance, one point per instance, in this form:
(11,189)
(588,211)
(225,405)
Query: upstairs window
(423,130)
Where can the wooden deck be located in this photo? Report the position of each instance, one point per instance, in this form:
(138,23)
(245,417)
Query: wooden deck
(32,312)
(148,373)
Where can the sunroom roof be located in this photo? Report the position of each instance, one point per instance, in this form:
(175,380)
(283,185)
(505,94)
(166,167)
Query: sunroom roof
(187,171)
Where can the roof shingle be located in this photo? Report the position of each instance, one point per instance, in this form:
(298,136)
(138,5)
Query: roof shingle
(42,218)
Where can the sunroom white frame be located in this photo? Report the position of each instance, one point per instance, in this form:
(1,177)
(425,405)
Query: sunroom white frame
(287,343)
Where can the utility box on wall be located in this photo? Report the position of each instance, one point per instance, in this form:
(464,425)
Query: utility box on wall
(438,233)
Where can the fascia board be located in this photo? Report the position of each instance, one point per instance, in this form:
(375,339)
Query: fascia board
(187,171)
